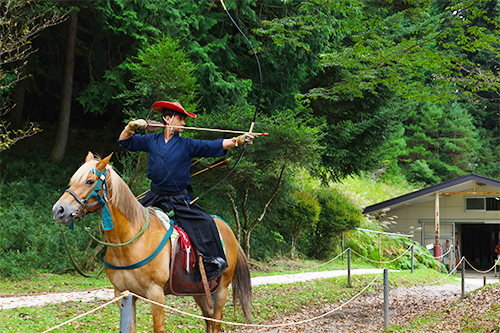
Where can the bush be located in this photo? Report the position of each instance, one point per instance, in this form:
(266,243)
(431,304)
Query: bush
(338,214)
(29,237)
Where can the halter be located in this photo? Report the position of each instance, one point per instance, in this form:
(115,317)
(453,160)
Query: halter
(102,199)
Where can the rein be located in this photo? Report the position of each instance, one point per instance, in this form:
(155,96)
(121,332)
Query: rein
(107,224)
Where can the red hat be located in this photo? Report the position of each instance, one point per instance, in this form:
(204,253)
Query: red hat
(160,105)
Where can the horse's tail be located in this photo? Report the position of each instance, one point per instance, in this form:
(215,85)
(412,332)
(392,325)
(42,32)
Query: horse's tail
(242,286)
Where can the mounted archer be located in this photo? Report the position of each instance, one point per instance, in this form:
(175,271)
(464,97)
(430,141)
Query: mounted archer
(170,158)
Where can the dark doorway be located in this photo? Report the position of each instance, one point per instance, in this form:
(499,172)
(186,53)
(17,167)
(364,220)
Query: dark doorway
(478,244)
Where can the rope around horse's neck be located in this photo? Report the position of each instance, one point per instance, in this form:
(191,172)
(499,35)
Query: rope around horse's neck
(87,229)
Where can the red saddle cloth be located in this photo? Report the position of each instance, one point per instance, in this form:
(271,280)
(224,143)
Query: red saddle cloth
(183,283)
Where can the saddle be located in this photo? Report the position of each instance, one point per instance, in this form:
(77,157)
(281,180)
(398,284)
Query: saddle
(184,267)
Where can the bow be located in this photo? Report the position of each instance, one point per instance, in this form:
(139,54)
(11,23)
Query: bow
(256,107)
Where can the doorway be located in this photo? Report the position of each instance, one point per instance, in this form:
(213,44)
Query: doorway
(478,243)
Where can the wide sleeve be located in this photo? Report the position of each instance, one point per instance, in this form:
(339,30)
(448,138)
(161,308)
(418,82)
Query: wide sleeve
(206,148)
(136,143)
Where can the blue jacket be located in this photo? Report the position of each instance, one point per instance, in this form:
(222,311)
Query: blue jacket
(169,163)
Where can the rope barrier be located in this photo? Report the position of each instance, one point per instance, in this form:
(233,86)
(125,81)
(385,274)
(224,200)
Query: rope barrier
(437,281)
(88,312)
(383,262)
(261,325)
(128,293)
(482,272)
(304,270)
(431,256)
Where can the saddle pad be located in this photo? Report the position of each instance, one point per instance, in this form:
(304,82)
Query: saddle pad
(182,283)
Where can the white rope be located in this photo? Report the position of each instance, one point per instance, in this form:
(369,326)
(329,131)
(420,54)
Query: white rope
(483,272)
(435,282)
(383,262)
(261,325)
(431,256)
(305,270)
(124,294)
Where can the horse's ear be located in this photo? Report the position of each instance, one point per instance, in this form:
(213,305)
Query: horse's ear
(89,157)
(102,164)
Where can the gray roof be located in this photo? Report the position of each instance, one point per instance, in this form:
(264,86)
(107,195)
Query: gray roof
(459,184)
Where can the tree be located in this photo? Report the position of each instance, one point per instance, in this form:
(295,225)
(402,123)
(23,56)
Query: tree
(20,22)
(300,214)
(66,89)
(254,186)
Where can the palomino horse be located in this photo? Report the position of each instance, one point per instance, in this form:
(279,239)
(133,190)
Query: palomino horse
(97,186)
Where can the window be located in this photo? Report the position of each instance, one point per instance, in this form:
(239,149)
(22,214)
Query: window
(482,204)
(493,203)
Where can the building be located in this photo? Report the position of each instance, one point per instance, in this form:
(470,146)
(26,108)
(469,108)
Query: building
(464,211)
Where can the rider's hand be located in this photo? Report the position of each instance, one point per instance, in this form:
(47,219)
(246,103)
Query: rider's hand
(136,124)
(244,138)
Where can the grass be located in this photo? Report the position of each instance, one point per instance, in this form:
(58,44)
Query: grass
(269,302)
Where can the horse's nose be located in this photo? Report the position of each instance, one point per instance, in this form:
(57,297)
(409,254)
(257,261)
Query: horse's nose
(59,212)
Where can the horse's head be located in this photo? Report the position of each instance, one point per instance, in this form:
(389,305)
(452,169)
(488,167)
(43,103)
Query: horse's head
(87,192)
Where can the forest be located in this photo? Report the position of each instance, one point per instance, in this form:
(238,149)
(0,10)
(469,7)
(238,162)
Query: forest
(396,91)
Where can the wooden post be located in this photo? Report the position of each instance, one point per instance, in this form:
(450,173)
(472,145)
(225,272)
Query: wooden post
(437,247)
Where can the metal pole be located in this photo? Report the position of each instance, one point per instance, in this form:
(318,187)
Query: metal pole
(379,251)
(349,267)
(343,247)
(484,281)
(125,314)
(412,257)
(463,277)
(386,298)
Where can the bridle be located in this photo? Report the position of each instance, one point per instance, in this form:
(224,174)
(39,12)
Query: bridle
(101,199)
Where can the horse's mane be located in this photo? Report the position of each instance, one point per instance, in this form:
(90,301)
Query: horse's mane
(122,197)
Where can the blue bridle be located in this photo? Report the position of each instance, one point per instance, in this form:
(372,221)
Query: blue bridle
(102,199)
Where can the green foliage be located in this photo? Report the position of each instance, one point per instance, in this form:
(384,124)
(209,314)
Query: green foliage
(29,237)
(300,214)
(162,72)
(338,214)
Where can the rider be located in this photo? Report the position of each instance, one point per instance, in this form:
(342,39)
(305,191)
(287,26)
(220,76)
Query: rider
(170,158)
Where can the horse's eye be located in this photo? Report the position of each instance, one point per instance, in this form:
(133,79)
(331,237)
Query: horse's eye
(90,182)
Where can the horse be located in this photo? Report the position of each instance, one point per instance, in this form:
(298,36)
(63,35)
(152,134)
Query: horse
(106,191)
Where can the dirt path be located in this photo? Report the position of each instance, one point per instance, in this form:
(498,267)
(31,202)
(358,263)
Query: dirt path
(364,314)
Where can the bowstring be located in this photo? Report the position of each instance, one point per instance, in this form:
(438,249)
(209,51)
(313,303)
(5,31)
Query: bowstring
(256,107)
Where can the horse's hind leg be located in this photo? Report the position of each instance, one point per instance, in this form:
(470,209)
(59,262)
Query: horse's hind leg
(206,310)
(220,298)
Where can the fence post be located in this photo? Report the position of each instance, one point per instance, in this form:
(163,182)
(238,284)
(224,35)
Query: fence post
(412,256)
(343,247)
(463,277)
(386,298)
(379,250)
(125,314)
(349,267)
(484,281)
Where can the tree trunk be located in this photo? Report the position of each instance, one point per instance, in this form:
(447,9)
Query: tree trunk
(246,241)
(20,92)
(292,250)
(66,91)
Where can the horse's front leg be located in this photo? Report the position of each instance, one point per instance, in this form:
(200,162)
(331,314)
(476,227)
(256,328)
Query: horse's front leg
(132,310)
(157,311)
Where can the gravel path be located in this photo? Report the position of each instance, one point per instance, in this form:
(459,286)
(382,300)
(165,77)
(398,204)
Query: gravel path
(107,294)
(364,314)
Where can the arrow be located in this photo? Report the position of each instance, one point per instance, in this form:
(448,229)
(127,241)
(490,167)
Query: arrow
(154,125)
